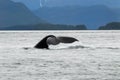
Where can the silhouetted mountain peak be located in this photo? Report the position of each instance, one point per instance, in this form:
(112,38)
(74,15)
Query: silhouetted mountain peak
(13,13)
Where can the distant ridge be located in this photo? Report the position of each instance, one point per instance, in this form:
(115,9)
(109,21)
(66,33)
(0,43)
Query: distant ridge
(46,27)
(34,4)
(110,26)
(12,14)
(91,16)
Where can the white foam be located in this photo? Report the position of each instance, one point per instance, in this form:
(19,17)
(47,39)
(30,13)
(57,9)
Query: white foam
(79,45)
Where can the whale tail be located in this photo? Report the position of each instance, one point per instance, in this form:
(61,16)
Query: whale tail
(52,40)
(66,39)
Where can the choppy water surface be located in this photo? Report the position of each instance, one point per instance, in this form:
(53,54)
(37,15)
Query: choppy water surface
(95,57)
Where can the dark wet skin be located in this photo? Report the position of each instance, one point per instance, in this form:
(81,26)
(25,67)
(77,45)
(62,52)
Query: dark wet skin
(43,44)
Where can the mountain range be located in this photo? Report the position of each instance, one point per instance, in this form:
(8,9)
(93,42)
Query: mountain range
(16,14)
(34,4)
(91,16)
(12,13)
(110,3)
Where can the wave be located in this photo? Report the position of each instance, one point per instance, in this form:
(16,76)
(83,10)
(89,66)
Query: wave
(76,45)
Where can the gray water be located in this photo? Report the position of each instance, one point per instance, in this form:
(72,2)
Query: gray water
(95,57)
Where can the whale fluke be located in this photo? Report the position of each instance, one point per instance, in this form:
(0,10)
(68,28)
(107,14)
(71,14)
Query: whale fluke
(53,40)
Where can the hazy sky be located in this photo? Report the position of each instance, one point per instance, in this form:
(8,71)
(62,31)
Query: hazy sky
(34,4)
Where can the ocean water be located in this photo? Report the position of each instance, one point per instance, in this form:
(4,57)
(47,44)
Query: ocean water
(95,57)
